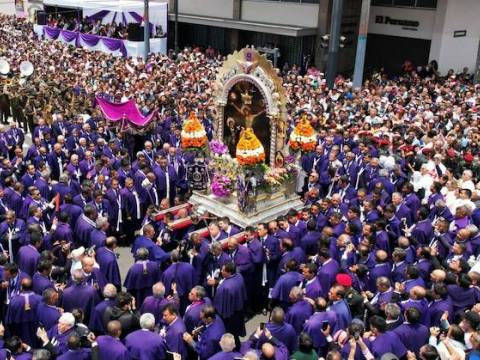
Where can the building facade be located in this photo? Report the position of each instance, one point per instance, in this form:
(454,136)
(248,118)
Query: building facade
(447,31)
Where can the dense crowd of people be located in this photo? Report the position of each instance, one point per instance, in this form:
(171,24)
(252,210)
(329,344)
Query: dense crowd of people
(86,25)
(381,263)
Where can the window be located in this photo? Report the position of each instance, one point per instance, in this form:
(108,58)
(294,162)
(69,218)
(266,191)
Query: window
(432,4)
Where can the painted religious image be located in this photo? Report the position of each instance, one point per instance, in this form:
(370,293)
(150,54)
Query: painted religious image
(246,109)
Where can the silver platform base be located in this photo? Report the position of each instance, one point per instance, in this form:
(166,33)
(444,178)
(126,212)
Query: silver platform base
(267,209)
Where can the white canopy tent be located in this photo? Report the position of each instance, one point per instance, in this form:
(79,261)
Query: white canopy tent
(119,9)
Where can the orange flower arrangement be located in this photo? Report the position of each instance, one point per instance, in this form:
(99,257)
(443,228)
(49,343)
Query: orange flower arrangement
(303,137)
(250,150)
(193,133)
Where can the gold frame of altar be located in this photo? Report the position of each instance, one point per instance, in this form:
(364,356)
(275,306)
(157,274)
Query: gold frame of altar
(249,66)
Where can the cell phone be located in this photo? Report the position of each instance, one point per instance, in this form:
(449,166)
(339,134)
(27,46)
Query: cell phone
(325,325)
(356,336)
(262,326)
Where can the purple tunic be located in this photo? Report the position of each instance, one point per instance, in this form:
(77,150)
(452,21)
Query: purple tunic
(96,320)
(21,318)
(140,278)
(174,338)
(82,297)
(192,314)
(145,345)
(107,260)
(208,344)
(298,313)
(313,327)
(229,301)
(47,315)
(28,257)
(284,284)
(80,354)
(112,349)
(388,342)
(154,306)
(413,336)
(41,282)
(182,274)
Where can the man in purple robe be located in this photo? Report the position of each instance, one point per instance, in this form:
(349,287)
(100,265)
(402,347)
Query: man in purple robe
(300,311)
(230,300)
(155,304)
(281,291)
(84,226)
(12,233)
(41,279)
(80,295)
(441,303)
(141,276)
(173,331)
(73,210)
(109,346)
(282,330)
(63,230)
(180,273)
(47,311)
(318,321)
(21,318)
(338,304)
(208,335)
(56,339)
(145,344)
(328,269)
(310,283)
(96,320)
(107,260)
(198,300)
(412,333)
(227,345)
(28,255)
(385,341)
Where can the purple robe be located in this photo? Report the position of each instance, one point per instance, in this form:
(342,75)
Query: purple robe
(284,333)
(314,289)
(461,298)
(208,344)
(285,283)
(413,336)
(47,315)
(229,301)
(83,229)
(41,282)
(436,309)
(140,278)
(313,327)
(60,340)
(231,355)
(180,273)
(112,349)
(21,318)
(344,316)
(62,232)
(327,273)
(81,296)
(96,320)
(155,305)
(145,345)
(174,337)
(28,257)
(97,238)
(298,313)
(79,354)
(388,342)
(191,317)
(107,260)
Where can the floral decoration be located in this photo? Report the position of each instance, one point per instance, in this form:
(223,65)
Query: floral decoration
(303,137)
(221,185)
(250,150)
(218,148)
(193,133)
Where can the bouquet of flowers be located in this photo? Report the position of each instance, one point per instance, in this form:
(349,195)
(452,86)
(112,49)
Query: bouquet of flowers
(275,176)
(221,185)
(303,137)
(218,148)
(193,134)
(250,150)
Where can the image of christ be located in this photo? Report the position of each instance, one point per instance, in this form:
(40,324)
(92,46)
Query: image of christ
(246,108)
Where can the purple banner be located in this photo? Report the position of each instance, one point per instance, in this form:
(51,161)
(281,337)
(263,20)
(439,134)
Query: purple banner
(88,39)
(52,33)
(124,111)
